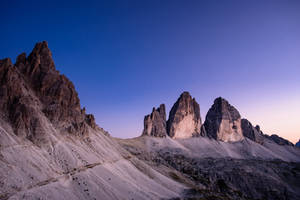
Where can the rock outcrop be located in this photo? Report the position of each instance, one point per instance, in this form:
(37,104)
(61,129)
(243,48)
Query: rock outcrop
(278,140)
(155,123)
(251,132)
(184,118)
(18,105)
(255,134)
(33,89)
(223,122)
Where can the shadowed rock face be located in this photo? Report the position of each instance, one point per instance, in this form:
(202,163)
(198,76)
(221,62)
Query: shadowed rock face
(184,118)
(223,122)
(18,104)
(253,133)
(279,140)
(33,88)
(155,123)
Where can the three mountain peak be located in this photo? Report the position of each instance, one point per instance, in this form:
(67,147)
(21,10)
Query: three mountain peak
(33,91)
(223,122)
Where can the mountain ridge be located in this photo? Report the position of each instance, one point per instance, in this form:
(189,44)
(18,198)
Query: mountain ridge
(222,121)
(50,148)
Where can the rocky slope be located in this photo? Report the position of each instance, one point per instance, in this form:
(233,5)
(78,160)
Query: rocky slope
(223,122)
(223,170)
(279,140)
(255,134)
(51,149)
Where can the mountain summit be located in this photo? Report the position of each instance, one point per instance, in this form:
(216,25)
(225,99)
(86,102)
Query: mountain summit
(184,118)
(223,122)
(33,91)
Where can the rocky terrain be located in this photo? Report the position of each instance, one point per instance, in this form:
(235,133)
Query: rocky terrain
(51,149)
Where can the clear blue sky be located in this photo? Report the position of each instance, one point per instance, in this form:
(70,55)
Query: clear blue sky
(125,57)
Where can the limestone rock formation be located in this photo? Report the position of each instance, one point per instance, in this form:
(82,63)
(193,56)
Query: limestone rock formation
(33,89)
(18,105)
(184,118)
(155,123)
(253,133)
(223,122)
(279,140)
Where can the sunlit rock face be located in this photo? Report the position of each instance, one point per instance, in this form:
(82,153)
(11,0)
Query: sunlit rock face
(184,118)
(223,122)
(155,123)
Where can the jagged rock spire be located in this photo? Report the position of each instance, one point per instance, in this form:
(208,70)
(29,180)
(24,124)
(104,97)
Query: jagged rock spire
(33,87)
(253,133)
(223,122)
(184,118)
(155,123)
(38,62)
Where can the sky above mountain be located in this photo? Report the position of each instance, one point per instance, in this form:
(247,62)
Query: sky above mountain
(124,57)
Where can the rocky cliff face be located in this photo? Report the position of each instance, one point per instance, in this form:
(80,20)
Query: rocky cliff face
(50,147)
(32,90)
(253,133)
(155,123)
(184,118)
(223,122)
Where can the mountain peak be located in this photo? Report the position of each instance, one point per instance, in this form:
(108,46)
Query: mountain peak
(33,89)
(5,62)
(155,123)
(223,121)
(38,62)
(184,118)
(185,94)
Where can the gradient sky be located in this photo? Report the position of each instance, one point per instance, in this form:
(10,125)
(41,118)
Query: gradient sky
(125,57)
